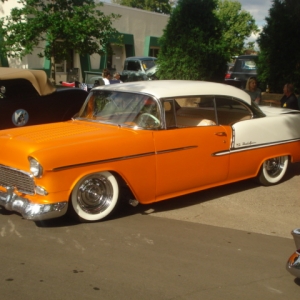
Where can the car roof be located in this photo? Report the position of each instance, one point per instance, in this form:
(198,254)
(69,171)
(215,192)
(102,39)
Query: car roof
(179,88)
(141,58)
(38,78)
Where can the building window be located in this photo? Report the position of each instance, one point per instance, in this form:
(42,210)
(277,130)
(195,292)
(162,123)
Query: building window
(153,51)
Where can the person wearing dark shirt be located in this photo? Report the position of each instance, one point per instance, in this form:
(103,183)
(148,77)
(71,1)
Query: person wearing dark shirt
(289,99)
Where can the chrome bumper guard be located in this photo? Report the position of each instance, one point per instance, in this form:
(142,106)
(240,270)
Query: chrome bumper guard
(32,211)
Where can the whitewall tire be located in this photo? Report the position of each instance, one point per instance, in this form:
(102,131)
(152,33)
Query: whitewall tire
(273,170)
(95,196)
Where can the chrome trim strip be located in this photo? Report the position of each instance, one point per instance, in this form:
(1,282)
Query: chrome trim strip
(253,147)
(103,161)
(176,149)
(123,158)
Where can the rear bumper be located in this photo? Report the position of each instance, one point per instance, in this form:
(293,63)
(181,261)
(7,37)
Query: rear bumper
(32,211)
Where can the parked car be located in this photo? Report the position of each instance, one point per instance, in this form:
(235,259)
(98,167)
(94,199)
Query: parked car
(28,98)
(244,67)
(136,67)
(144,142)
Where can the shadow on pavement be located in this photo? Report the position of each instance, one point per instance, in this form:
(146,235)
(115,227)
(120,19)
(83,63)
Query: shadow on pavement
(297,281)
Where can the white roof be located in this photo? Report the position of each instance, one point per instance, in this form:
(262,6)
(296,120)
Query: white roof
(179,88)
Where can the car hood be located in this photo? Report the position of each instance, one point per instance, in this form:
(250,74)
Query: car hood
(275,111)
(74,142)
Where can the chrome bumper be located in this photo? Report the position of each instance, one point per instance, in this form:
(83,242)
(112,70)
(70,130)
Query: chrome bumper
(32,211)
(293,264)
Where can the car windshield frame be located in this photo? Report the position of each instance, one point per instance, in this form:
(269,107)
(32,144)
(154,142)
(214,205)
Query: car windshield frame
(136,110)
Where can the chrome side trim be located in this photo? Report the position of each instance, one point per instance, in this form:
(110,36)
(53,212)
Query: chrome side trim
(253,147)
(103,161)
(176,149)
(122,158)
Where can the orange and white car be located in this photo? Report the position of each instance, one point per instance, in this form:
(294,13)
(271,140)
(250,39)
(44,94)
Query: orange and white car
(144,142)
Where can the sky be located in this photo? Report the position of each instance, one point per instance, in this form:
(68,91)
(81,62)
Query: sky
(259,9)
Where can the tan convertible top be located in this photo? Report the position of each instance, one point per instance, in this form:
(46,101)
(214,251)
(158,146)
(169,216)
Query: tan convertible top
(38,78)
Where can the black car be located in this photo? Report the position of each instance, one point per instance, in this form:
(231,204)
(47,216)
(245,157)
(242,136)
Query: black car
(27,97)
(244,67)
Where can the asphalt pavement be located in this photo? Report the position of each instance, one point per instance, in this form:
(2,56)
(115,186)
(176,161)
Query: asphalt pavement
(230,242)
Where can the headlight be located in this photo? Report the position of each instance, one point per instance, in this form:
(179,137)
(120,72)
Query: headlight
(35,168)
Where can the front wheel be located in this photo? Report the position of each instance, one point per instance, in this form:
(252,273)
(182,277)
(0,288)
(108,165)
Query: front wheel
(95,197)
(273,170)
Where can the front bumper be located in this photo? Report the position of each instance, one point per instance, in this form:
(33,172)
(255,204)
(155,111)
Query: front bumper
(31,211)
(293,264)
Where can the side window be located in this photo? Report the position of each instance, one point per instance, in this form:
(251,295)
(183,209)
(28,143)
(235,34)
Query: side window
(230,111)
(192,111)
(24,90)
(133,66)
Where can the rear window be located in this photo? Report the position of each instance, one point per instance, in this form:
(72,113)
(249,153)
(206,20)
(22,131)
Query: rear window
(244,65)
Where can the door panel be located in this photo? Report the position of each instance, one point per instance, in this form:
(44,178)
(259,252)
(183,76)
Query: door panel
(185,158)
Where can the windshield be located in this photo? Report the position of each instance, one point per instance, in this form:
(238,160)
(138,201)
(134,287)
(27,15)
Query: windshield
(148,64)
(123,109)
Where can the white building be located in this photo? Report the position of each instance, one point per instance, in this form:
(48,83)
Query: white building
(140,29)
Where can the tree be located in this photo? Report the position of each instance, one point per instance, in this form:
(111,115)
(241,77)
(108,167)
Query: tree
(279,59)
(159,6)
(192,46)
(236,24)
(56,27)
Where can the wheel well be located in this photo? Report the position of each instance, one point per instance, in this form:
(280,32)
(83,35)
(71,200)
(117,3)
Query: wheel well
(289,160)
(125,191)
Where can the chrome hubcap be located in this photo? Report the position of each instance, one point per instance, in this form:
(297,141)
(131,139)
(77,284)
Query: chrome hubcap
(274,166)
(95,194)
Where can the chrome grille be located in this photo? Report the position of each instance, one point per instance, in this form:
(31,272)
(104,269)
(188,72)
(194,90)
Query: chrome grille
(18,179)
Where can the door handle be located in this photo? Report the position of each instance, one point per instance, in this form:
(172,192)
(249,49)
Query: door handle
(221,133)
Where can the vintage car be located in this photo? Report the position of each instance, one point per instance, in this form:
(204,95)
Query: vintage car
(28,98)
(144,142)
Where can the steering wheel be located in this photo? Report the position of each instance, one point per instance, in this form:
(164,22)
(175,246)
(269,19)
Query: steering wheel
(147,120)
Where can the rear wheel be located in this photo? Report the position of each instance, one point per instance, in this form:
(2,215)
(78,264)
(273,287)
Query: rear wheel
(95,197)
(273,170)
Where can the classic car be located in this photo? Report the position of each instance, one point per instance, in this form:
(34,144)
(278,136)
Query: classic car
(28,98)
(293,263)
(143,142)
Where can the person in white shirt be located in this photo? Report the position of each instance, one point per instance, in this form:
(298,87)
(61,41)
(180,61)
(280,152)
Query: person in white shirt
(106,76)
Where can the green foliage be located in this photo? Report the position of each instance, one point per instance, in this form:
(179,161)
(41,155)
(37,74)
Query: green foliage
(279,59)
(236,24)
(62,25)
(192,46)
(159,6)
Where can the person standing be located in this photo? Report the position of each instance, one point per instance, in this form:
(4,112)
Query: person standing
(106,76)
(117,76)
(252,90)
(289,99)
